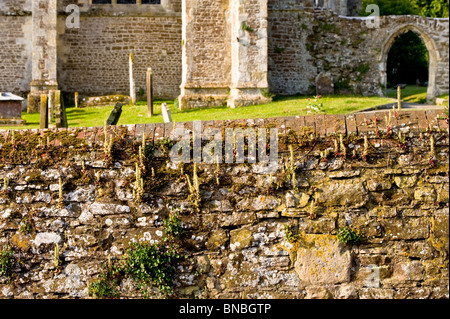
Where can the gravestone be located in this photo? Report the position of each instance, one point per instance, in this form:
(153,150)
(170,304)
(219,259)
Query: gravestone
(11,109)
(324,84)
(60,111)
(43,121)
(149,92)
(115,114)
(166,113)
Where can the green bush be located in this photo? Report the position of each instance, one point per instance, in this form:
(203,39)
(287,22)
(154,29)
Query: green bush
(350,235)
(151,264)
(145,263)
(6,262)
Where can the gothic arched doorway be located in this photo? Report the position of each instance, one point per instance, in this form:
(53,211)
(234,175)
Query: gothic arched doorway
(433,57)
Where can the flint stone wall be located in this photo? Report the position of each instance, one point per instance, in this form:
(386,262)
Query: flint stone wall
(236,245)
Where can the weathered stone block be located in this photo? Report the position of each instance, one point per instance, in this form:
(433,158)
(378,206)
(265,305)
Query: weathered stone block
(408,271)
(322,259)
(259,203)
(441,223)
(344,193)
(404,229)
(217,240)
(237,219)
(405,181)
(294,200)
(241,238)
(376,293)
(376,185)
(426,194)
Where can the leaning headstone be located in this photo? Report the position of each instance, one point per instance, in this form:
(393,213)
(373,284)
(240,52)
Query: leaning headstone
(166,113)
(115,115)
(324,84)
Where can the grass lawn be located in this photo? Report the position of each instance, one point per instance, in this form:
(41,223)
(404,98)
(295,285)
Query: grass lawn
(411,94)
(281,106)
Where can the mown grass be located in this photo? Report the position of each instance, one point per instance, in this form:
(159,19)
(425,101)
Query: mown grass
(281,106)
(410,94)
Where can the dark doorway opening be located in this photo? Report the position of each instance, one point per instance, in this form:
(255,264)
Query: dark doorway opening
(408,61)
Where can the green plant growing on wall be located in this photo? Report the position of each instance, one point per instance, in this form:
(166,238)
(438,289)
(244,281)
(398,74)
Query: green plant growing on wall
(291,232)
(350,235)
(5,189)
(142,161)
(432,151)
(290,168)
(108,148)
(217,173)
(60,201)
(324,156)
(138,191)
(6,261)
(313,209)
(194,189)
(343,149)
(27,225)
(279,50)
(245,27)
(56,257)
(173,227)
(266,93)
(151,264)
(366,148)
(343,83)
(148,264)
(106,284)
(361,70)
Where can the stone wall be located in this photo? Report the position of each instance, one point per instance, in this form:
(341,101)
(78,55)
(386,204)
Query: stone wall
(16,48)
(93,60)
(305,43)
(251,234)
(13,7)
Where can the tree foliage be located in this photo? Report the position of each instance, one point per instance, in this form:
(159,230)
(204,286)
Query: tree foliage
(427,8)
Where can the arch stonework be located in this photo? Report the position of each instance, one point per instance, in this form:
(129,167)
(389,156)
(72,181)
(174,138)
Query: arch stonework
(433,53)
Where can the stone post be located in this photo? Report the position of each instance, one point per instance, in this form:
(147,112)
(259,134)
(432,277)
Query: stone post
(51,105)
(399,97)
(44,112)
(58,110)
(132,84)
(150,92)
(44,57)
(166,113)
(76,100)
